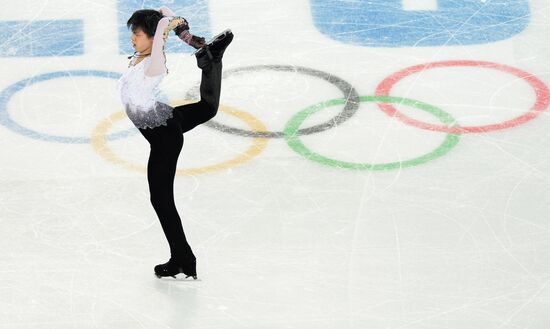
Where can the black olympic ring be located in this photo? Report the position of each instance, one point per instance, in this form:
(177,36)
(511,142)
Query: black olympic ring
(350,94)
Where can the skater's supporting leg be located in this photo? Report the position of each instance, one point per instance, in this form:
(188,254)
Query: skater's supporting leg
(166,144)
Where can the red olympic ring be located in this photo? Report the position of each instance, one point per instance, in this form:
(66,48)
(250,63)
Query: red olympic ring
(541,90)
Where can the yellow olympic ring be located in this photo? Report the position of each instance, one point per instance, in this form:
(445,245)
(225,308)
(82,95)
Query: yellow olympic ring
(99,143)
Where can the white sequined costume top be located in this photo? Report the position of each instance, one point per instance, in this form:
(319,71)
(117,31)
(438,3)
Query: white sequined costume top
(145,104)
(139,90)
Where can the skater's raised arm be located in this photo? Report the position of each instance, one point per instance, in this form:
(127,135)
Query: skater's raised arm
(158,58)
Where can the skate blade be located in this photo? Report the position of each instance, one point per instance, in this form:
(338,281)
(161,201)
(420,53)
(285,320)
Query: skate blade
(179,277)
(212,40)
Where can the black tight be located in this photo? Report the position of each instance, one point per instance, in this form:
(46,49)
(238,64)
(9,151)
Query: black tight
(166,143)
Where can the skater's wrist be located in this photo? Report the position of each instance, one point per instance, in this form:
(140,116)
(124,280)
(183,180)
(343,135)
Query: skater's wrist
(170,23)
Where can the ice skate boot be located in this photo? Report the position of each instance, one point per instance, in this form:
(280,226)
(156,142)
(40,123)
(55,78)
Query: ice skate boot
(215,48)
(173,267)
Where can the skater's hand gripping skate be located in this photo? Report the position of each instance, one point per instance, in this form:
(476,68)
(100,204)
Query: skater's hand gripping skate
(158,57)
(173,22)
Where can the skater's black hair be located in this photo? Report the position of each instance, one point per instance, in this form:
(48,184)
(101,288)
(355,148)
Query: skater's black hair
(146,20)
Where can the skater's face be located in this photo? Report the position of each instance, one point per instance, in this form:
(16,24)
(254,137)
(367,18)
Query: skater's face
(141,42)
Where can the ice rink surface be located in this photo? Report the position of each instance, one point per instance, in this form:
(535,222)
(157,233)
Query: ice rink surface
(374,164)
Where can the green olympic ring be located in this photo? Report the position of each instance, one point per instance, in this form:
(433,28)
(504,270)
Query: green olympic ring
(293,125)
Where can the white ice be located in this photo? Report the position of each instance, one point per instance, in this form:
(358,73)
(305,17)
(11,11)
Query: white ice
(459,242)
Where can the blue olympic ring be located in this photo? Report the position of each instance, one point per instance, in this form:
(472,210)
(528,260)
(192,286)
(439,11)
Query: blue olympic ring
(8,122)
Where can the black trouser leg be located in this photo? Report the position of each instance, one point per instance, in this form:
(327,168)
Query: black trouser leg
(166,143)
(192,115)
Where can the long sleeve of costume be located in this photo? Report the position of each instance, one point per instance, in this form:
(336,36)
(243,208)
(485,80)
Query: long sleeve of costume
(158,57)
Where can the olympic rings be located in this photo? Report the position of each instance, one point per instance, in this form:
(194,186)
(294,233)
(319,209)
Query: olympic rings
(258,145)
(350,94)
(292,132)
(7,93)
(293,141)
(541,90)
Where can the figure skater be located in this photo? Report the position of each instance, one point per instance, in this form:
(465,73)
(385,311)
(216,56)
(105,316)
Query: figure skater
(163,126)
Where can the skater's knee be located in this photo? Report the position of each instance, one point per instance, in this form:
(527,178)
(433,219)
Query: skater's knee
(155,201)
(210,110)
(213,110)
(160,201)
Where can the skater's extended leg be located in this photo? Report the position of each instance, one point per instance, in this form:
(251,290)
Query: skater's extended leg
(192,115)
(210,62)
